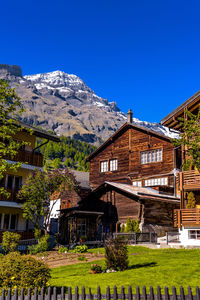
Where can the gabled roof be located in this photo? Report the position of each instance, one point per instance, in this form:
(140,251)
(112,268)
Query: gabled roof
(127,125)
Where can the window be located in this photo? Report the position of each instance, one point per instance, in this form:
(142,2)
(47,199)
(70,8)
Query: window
(9,221)
(151,156)
(137,183)
(81,227)
(6,221)
(13,182)
(194,234)
(104,166)
(13,221)
(113,164)
(156,181)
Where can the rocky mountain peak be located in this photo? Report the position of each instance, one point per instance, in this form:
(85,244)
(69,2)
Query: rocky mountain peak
(7,71)
(64,103)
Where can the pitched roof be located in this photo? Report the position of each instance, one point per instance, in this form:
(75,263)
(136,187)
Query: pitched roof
(82,178)
(39,132)
(185,105)
(143,193)
(167,134)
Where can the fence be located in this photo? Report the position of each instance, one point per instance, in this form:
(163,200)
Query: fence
(60,294)
(172,237)
(137,238)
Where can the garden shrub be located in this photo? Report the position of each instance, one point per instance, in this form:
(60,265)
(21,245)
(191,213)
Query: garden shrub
(10,241)
(62,250)
(42,246)
(96,269)
(23,271)
(116,254)
(80,249)
(131,226)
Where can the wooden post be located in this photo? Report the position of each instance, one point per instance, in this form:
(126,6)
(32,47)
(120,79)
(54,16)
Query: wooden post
(115,295)
(137,293)
(123,296)
(130,297)
(144,293)
(108,293)
(69,293)
(197,293)
(159,296)
(151,294)
(182,293)
(174,293)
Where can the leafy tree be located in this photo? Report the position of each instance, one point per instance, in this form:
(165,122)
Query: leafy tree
(190,138)
(36,193)
(10,109)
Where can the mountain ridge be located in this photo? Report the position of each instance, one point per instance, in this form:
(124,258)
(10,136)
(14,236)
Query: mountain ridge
(65,104)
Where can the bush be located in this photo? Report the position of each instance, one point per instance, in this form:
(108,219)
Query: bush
(42,246)
(131,226)
(95,269)
(116,254)
(10,241)
(17,271)
(62,250)
(80,249)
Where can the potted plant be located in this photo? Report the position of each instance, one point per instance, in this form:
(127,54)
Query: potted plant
(95,269)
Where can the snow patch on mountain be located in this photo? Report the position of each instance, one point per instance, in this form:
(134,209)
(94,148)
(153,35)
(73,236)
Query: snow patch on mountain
(69,84)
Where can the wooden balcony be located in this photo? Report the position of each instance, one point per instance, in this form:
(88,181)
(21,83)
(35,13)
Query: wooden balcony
(189,180)
(31,158)
(187,217)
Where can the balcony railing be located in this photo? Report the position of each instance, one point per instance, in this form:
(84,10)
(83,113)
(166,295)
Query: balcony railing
(187,217)
(31,158)
(189,180)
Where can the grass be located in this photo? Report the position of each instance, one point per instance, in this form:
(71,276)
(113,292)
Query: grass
(149,267)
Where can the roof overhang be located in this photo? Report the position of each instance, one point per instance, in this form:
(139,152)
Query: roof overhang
(191,104)
(10,204)
(135,193)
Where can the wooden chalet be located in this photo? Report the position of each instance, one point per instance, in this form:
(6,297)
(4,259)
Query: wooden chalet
(186,219)
(131,176)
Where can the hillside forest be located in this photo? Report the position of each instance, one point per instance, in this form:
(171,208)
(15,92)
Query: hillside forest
(69,153)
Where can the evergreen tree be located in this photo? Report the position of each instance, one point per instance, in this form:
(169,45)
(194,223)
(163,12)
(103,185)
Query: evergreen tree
(190,139)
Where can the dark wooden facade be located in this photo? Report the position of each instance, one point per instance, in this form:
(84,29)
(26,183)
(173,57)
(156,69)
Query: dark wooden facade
(126,146)
(113,197)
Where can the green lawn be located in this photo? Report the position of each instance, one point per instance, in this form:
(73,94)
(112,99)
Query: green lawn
(164,267)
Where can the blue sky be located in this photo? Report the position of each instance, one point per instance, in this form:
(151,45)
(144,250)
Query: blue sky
(143,54)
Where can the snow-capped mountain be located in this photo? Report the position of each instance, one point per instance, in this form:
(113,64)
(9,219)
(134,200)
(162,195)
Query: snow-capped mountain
(64,103)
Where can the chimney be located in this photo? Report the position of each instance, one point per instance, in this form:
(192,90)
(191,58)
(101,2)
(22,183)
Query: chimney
(130,116)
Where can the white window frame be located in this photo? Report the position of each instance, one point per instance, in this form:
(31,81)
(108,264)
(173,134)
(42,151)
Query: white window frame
(195,235)
(162,181)
(137,183)
(9,222)
(151,156)
(104,166)
(113,164)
